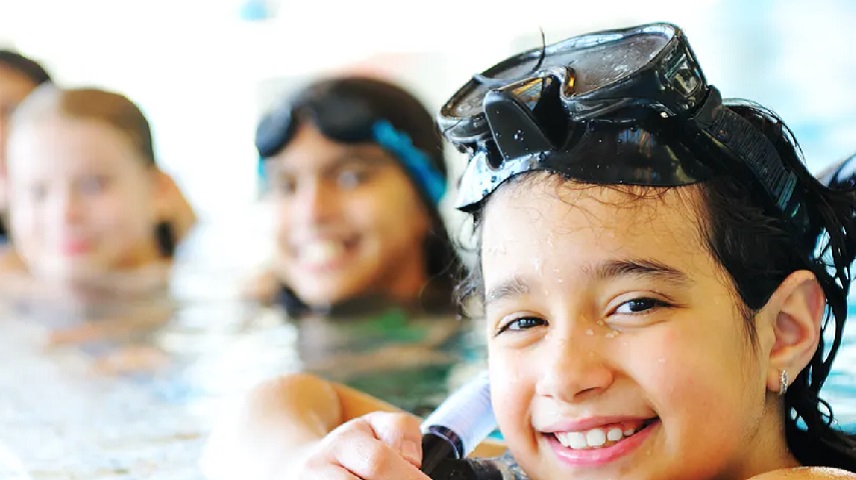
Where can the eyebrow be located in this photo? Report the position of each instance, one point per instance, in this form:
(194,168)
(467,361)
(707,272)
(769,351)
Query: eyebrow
(518,286)
(513,287)
(353,156)
(640,268)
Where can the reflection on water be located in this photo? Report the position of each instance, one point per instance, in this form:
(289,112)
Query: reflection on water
(129,390)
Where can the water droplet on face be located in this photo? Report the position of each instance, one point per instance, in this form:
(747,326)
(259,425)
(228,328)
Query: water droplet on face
(589,332)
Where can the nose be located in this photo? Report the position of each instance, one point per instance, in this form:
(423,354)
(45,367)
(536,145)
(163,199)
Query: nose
(575,367)
(315,202)
(68,207)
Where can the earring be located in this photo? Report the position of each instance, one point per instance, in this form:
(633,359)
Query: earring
(783,385)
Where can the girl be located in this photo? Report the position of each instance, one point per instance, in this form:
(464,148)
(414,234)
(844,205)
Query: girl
(658,270)
(356,171)
(88,204)
(19,76)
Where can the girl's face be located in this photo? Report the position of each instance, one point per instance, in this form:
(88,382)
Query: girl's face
(348,221)
(82,198)
(616,347)
(14,87)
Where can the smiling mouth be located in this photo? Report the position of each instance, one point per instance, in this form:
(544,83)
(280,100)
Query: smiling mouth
(602,437)
(324,252)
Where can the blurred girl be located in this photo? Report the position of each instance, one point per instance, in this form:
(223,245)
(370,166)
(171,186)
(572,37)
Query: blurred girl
(19,76)
(87,200)
(355,171)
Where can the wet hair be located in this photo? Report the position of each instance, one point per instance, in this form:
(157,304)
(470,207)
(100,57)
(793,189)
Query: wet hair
(383,101)
(96,104)
(27,67)
(104,106)
(758,249)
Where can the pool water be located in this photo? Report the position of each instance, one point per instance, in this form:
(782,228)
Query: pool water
(130,390)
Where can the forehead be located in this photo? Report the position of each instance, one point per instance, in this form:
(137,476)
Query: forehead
(544,218)
(59,141)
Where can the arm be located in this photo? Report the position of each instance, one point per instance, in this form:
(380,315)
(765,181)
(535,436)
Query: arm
(278,423)
(806,473)
(282,420)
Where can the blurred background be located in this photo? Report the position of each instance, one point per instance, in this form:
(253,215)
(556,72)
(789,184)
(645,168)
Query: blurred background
(204,70)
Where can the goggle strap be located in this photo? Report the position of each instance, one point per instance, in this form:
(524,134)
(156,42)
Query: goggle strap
(415,161)
(746,143)
(515,129)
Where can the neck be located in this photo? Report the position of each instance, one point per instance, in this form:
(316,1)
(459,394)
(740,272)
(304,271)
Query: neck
(770,449)
(407,280)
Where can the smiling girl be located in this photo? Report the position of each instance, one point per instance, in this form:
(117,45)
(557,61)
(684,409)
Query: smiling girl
(356,173)
(660,275)
(87,200)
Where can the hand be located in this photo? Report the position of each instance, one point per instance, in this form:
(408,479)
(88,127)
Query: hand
(377,446)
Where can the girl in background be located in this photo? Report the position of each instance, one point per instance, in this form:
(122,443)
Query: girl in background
(356,172)
(88,204)
(19,76)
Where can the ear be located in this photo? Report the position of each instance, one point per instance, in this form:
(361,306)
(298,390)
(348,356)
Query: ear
(797,308)
(160,191)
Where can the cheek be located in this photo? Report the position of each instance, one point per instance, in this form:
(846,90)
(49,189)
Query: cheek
(511,389)
(678,366)
(662,361)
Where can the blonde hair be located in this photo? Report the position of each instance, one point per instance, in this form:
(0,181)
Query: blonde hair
(96,104)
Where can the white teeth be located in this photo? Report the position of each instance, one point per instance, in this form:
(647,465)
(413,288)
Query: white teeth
(577,440)
(595,438)
(321,252)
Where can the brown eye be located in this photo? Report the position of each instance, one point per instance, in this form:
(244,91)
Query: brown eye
(351,178)
(522,323)
(284,185)
(93,185)
(640,305)
(38,191)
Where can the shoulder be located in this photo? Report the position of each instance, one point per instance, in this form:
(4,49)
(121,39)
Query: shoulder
(809,473)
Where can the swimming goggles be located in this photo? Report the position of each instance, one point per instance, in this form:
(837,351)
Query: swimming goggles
(628,106)
(348,119)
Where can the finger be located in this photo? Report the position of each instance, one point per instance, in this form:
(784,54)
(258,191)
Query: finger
(356,447)
(400,432)
(327,472)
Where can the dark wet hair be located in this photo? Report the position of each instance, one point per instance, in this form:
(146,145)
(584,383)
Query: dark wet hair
(382,100)
(28,67)
(758,249)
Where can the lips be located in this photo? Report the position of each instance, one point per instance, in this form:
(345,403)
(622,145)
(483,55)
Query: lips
(73,247)
(593,443)
(600,437)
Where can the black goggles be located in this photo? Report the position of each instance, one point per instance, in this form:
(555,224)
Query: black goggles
(340,118)
(349,120)
(624,106)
